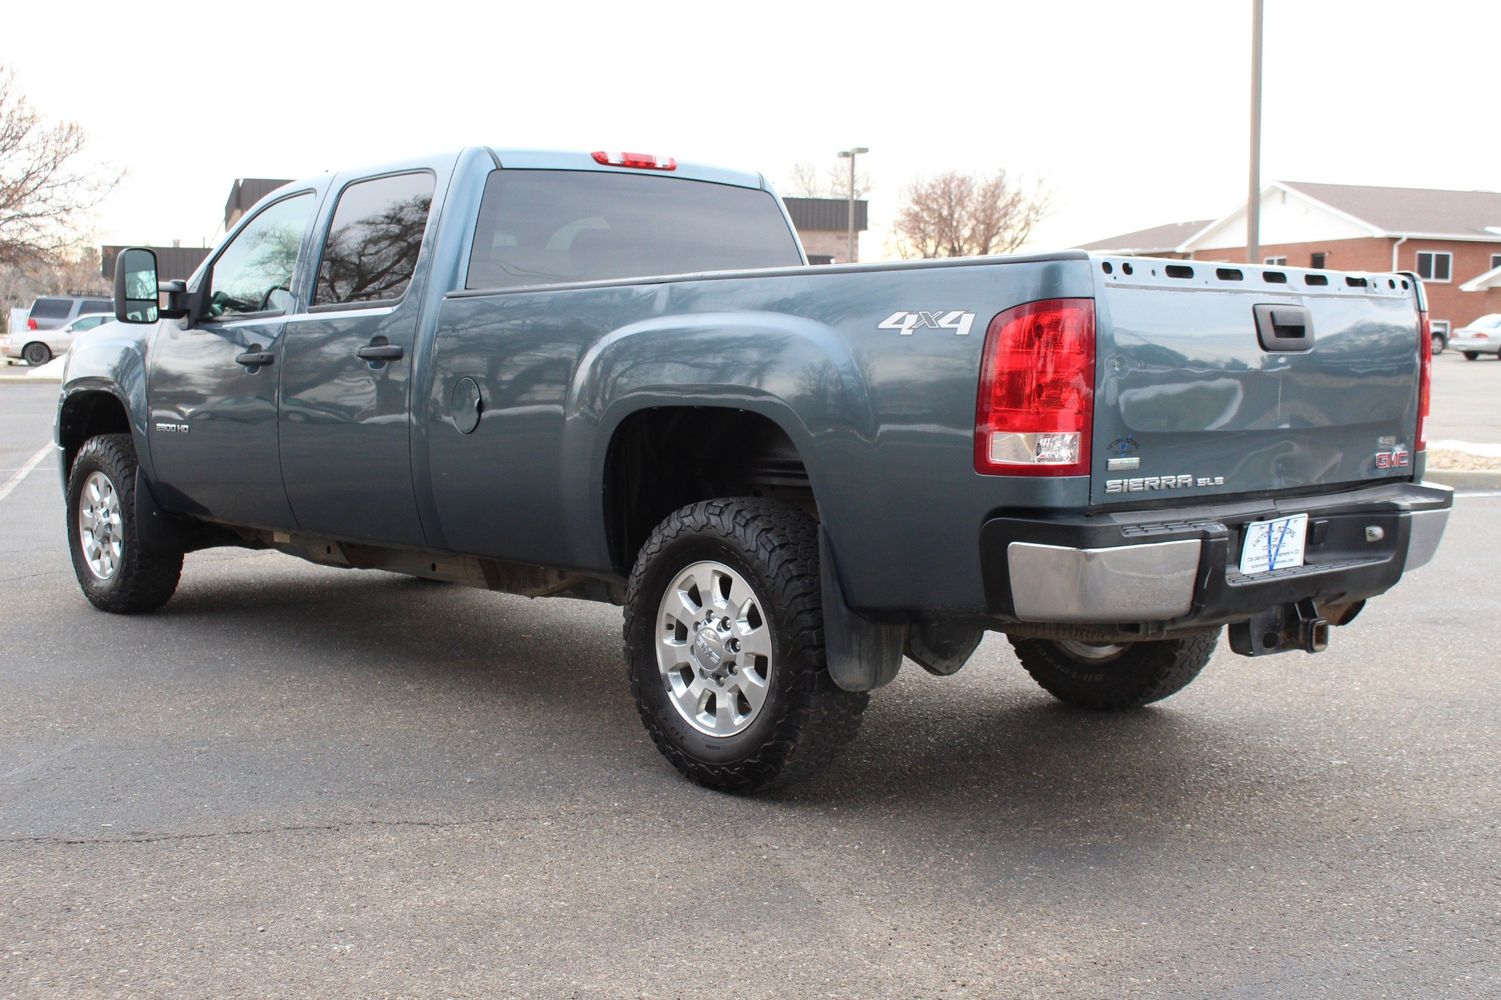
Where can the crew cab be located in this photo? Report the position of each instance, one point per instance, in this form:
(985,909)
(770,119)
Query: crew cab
(612,376)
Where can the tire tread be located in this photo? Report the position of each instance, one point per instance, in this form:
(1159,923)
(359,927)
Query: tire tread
(818,718)
(146,579)
(1146,672)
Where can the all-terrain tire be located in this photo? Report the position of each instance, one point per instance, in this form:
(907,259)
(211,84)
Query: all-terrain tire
(142,579)
(1139,674)
(805,719)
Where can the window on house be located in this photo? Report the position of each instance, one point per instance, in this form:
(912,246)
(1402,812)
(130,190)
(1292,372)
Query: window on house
(1495,261)
(1316,259)
(1434,265)
(1275,261)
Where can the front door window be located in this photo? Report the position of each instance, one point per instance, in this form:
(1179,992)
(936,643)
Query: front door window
(254,273)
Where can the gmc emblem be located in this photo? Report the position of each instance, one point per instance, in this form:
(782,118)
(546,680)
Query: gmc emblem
(1397,458)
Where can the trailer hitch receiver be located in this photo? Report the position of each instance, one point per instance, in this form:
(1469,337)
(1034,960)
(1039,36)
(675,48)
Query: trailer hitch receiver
(1281,630)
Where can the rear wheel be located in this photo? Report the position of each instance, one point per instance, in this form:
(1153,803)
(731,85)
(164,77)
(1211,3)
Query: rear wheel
(36,354)
(1439,344)
(1111,677)
(1472,355)
(114,570)
(724,646)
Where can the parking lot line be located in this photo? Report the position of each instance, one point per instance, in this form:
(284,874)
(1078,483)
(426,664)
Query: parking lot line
(24,471)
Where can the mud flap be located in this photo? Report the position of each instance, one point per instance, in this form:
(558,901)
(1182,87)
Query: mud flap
(940,648)
(862,655)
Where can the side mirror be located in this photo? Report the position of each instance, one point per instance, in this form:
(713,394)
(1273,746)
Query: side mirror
(136,286)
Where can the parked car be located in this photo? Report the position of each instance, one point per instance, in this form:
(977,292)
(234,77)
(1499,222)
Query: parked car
(50,312)
(39,347)
(38,342)
(1483,336)
(614,377)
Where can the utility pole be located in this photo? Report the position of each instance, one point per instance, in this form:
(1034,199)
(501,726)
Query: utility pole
(850,155)
(1253,198)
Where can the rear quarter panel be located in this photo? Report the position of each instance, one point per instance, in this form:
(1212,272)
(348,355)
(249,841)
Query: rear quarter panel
(883,422)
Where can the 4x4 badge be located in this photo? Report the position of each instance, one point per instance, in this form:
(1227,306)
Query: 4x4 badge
(953,319)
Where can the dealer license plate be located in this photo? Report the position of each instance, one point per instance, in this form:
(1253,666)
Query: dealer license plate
(1273,545)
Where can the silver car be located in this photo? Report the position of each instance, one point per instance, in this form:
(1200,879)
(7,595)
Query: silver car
(37,347)
(1483,336)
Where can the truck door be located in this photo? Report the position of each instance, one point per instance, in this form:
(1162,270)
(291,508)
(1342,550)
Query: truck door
(346,381)
(213,382)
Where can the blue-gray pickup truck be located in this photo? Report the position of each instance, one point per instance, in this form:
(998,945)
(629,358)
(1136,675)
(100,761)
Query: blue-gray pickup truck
(612,376)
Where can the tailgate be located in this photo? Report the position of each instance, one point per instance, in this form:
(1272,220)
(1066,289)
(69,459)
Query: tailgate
(1227,379)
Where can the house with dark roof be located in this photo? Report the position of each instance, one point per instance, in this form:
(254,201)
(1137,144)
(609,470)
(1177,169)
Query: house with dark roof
(244,193)
(1158,241)
(1451,239)
(173,263)
(823,226)
(177,262)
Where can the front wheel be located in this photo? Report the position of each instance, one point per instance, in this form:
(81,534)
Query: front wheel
(1439,343)
(36,355)
(724,646)
(116,572)
(1112,677)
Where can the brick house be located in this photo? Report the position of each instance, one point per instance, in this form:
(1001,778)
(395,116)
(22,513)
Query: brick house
(1451,239)
(823,226)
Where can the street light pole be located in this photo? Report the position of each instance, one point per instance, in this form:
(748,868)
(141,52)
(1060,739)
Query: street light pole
(850,155)
(1253,198)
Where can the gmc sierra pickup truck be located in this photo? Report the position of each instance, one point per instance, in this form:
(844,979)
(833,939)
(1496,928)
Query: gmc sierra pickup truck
(612,376)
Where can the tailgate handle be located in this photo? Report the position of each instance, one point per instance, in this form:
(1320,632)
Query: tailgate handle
(1283,327)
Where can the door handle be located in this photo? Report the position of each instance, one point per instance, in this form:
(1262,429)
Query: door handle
(380,352)
(255,359)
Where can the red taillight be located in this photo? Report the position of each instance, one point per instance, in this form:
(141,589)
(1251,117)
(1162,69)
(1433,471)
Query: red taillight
(641,161)
(30,323)
(1425,379)
(1037,390)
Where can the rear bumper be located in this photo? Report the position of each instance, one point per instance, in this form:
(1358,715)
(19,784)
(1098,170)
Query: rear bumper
(1490,345)
(1180,568)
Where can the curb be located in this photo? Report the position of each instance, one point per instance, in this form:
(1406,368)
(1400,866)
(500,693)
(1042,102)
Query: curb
(1465,479)
(30,380)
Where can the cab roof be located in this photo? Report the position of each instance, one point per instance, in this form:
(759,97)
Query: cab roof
(544,159)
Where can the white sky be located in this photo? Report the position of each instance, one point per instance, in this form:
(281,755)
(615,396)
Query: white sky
(1133,113)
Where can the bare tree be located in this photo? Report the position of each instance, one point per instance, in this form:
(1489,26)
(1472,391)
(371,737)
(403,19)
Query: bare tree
(805,181)
(967,215)
(42,194)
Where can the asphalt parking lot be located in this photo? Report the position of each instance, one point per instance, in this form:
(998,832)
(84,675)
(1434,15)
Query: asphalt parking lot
(297,781)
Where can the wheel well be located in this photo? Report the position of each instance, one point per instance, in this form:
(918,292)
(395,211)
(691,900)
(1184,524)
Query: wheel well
(89,414)
(666,458)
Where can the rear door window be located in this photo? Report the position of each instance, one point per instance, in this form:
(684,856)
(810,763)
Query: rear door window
(373,242)
(551,226)
(96,306)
